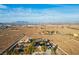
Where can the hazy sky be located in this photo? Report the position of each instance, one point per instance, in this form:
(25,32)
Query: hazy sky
(39,12)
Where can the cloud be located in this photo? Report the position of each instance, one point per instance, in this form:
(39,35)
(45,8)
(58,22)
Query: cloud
(3,6)
(38,15)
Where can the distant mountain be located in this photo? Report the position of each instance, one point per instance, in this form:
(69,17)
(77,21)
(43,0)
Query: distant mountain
(1,23)
(18,23)
(31,23)
(25,23)
(21,22)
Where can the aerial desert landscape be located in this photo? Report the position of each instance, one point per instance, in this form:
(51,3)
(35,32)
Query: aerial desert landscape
(66,37)
(39,29)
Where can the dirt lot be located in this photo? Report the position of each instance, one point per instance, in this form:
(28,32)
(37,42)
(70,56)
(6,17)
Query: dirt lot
(64,38)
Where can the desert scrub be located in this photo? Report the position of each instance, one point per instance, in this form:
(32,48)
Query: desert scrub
(43,48)
(31,47)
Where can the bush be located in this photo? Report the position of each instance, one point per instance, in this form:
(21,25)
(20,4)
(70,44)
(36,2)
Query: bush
(43,48)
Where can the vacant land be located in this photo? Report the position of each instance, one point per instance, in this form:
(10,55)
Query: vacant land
(65,36)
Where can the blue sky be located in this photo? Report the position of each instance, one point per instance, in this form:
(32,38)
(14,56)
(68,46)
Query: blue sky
(39,13)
